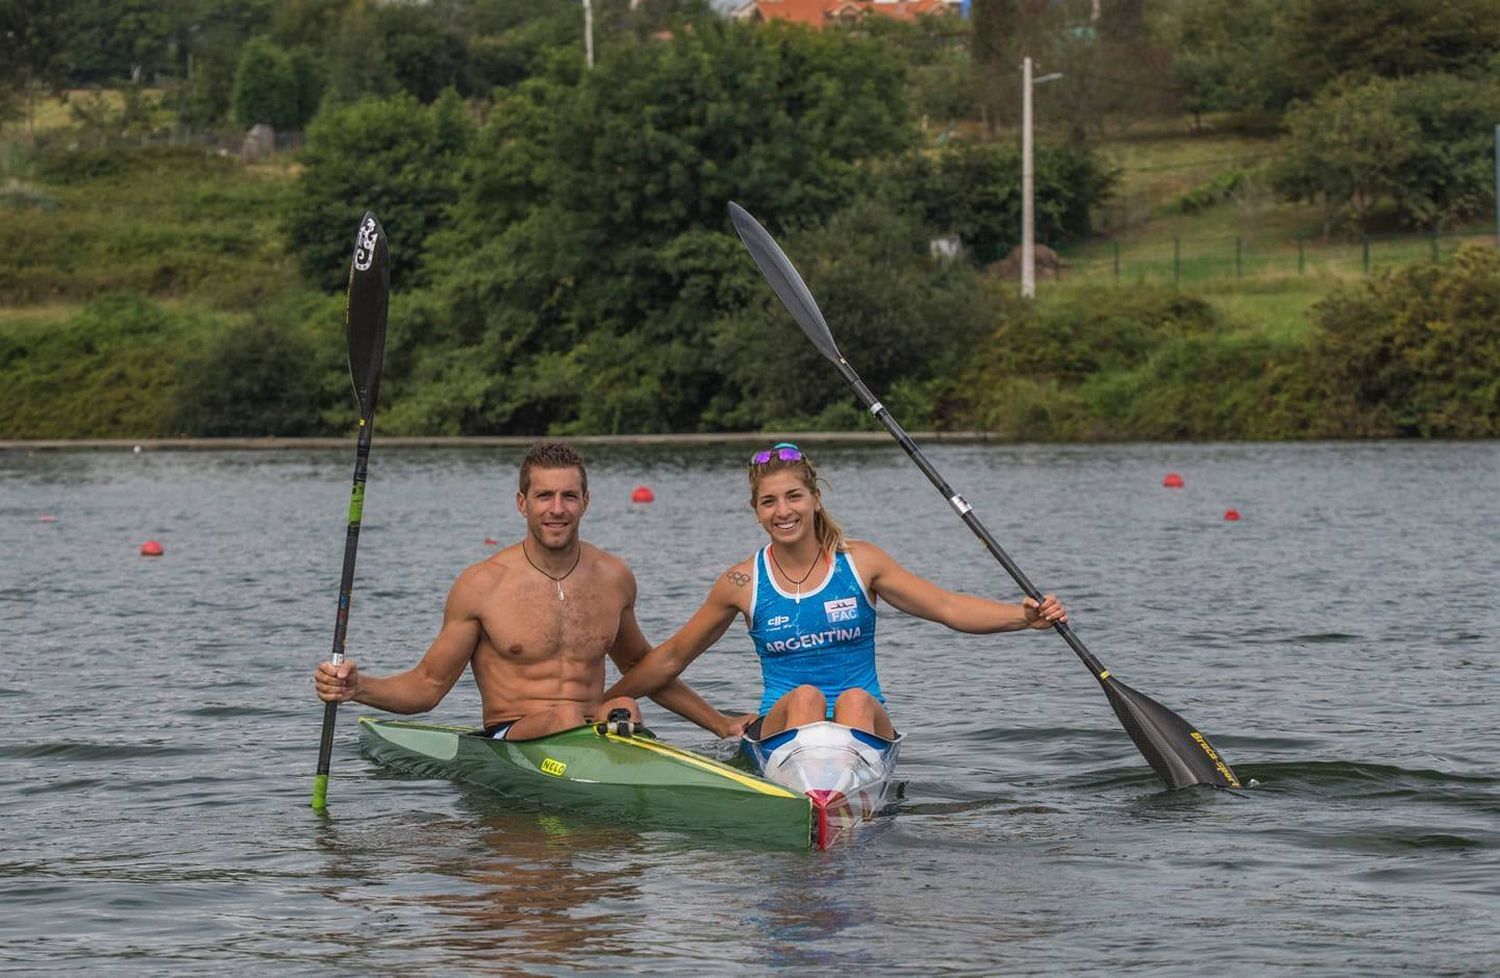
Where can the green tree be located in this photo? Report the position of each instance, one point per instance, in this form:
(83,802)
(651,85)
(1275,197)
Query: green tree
(308,77)
(1000,34)
(938,55)
(392,156)
(659,139)
(1227,55)
(1330,39)
(591,246)
(207,42)
(425,48)
(1423,144)
(36,49)
(908,320)
(1345,149)
(266,87)
(356,57)
(1448,176)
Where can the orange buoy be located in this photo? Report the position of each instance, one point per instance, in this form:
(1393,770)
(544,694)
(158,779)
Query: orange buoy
(1172,481)
(151,549)
(642,494)
(1231,514)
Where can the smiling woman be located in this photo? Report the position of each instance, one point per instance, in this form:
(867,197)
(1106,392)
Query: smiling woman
(808,598)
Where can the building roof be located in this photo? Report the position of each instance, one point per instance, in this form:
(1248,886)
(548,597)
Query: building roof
(820,13)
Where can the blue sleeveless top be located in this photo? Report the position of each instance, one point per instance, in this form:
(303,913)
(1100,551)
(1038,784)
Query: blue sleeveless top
(824,638)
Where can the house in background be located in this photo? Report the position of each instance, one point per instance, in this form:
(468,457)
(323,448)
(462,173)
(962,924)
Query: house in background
(827,13)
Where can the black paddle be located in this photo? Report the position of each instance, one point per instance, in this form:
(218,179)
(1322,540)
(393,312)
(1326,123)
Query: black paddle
(1179,754)
(364,332)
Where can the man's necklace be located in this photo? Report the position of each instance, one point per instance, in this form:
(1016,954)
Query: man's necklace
(798,582)
(556,580)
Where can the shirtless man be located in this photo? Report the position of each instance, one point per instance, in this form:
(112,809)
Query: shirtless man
(534,622)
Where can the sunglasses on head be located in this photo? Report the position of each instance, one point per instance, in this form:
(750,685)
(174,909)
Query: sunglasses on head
(785,451)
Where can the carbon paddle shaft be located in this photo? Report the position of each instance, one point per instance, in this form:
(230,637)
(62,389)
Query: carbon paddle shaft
(963,509)
(1178,753)
(365,321)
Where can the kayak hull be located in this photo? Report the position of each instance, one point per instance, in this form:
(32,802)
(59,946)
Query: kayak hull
(633,777)
(846,774)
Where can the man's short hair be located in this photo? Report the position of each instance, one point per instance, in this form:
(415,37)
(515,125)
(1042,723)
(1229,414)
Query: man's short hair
(552,455)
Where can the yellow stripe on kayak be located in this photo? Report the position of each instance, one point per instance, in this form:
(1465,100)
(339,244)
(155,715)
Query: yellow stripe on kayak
(724,771)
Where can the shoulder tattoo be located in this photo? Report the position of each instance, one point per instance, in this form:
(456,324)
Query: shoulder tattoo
(739,578)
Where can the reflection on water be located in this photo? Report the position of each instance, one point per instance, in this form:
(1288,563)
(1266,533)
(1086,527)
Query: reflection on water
(535,897)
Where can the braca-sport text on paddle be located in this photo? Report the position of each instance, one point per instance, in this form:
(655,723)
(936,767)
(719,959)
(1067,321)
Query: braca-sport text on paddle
(364,333)
(1178,753)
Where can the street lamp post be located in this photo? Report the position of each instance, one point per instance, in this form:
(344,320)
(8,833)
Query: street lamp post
(588,32)
(1028,214)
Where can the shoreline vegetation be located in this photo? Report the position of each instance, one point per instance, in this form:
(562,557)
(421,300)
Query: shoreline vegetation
(1407,351)
(563,264)
(483,441)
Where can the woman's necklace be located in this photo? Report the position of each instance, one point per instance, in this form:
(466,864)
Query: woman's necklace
(798,582)
(556,580)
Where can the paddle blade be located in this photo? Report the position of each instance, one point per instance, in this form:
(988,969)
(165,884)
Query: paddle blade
(788,285)
(1180,755)
(365,314)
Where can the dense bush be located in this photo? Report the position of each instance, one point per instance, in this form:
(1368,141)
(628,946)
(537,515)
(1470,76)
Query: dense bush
(1140,364)
(106,372)
(1416,352)
(67,165)
(1214,192)
(265,376)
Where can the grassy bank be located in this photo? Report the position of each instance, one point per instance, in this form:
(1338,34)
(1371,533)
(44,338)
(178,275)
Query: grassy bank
(128,276)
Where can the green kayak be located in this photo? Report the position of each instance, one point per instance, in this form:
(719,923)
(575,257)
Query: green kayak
(631,776)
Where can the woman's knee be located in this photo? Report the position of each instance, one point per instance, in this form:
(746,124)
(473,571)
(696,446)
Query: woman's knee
(854,699)
(807,697)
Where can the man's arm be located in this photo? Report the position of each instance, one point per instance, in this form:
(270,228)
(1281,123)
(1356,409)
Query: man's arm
(423,686)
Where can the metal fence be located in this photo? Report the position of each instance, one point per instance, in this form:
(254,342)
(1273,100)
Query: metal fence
(1178,261)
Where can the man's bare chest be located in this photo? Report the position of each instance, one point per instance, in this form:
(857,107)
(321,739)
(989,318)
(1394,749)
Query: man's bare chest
(530,623)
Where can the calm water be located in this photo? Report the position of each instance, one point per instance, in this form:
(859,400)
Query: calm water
(1338,643)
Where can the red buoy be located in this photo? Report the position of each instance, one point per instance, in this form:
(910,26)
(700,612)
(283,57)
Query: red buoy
(490,541)
(151,549)
(1172,481)
(642,494)
(46,518)
(1231,514)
